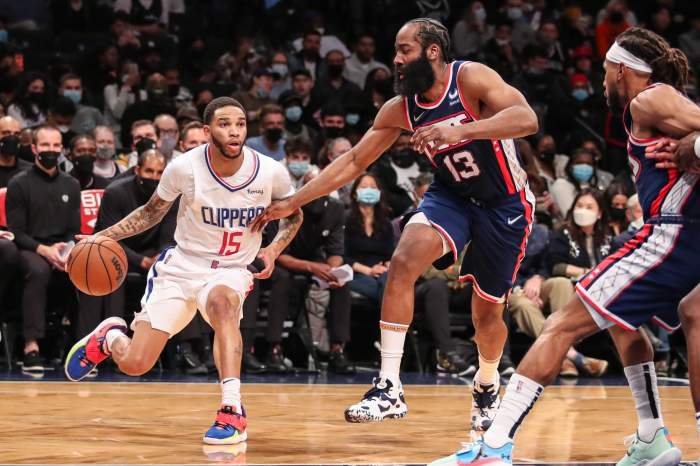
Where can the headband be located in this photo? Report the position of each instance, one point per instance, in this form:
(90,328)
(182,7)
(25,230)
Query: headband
(617,54)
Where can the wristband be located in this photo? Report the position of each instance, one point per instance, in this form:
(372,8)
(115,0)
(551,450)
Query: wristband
(696,146)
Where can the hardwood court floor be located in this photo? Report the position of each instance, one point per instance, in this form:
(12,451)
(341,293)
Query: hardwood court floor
(56,422)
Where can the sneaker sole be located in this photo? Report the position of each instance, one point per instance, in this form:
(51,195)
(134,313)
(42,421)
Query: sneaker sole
(364,419)
(227,441)
(82,342)
(670,457)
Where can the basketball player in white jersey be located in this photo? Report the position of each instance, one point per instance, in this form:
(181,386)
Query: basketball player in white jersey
(222,187)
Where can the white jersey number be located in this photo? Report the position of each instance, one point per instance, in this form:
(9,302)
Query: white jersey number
(462,165)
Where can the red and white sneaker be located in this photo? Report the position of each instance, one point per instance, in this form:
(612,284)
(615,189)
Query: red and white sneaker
(85,355)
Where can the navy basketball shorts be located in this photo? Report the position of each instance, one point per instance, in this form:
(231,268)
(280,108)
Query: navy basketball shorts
(645,280)
(495,236)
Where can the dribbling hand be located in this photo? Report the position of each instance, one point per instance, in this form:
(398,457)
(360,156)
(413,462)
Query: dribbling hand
(268,257)
(430,138)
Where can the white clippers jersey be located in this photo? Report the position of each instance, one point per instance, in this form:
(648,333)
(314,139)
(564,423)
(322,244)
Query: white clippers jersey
(214,212)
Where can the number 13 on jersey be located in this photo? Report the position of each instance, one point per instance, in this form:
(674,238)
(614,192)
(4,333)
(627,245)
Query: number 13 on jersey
(230,243)
(462,165)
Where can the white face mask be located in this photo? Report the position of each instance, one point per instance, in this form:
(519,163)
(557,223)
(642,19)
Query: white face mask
(584,217)
(637,224)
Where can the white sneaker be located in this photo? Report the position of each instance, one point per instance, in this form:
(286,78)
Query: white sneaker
(382,401)
(485,402)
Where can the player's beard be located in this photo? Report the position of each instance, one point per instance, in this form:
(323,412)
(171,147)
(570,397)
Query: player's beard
(615,101)
(418,76)
(224,150)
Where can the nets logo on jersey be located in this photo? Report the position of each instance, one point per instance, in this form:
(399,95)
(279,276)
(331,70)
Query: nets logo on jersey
(229,218)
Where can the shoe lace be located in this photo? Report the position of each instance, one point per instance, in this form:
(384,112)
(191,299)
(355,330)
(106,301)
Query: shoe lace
(485,397)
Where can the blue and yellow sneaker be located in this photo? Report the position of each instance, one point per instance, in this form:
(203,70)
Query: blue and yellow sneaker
(85,355)
(659,452)
(477,453)
(228,428)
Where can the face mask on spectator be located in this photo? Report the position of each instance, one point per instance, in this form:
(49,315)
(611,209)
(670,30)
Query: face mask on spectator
(502,42)
(579,94)
(352,119)
(584,217)
(280,69)
(480,15)
(167,144)
(299,169)
(38,98)
(547,154)
(335,71)
(262,93)
(84,164)
(368,196)
(332,132)
(582,172)
(148,186)
(404,158)
(273,134)
(636,224)
(105,152)
(3,36)
(48,159)
(515,13)
(618,214)
(73,94)
(293,113)
(9,145)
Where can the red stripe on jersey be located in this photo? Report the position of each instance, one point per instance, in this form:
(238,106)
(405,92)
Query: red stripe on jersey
(505,171)
(528,229)
(672,178)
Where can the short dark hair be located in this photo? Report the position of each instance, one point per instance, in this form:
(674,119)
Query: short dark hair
(140,123)
(35,131)
(299,145)
(69,76)
(270,109)
(190,126)
(311,32)
(76,139)
(333,108)
(63,106)
(217,103)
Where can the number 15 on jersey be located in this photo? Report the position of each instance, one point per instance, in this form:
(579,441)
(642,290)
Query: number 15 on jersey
(230,243)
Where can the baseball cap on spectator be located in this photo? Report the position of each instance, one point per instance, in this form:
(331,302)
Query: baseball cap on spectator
(300,72)
(186,115)
(145,144)
(289,98)
(262,72)
(582,51)
(578,79)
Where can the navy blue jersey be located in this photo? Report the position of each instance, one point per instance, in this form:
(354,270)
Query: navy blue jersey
(662,192)
(481,169)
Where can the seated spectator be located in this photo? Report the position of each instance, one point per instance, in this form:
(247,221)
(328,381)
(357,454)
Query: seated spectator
(168,136)
(333,149)
(547,37)
(379,88)
(181,95)
(10,164)
(142,132)
(61,114)
(192,136)
(157,103)
(149,20)
(331,86)
(281,81)
(86,117)
(315,251)
(523,34)
(396,170)
(43,212)
(499,52)
(362,62)
(332,124)
(82,155)
(298,154)
(471,32)
(616,197)
(122,94)
(369,239)
(615,19)
(253,99)
(326,42)
(271,141)
(120,199)
(308,55)
(581,173)
(294,126)
(540,176)
(105,165)
(302,84)
(30,103)
(635,219)
(238,63)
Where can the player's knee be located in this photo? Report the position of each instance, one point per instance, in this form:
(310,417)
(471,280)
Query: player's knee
(223,307)
(688,311)
(403,267)
(136,365)
(487,317)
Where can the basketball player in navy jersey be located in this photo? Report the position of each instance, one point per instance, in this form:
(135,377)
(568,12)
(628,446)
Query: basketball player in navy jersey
(644,281)
(464,117)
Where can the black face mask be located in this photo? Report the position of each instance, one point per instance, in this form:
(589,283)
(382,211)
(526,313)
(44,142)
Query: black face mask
(616,17)
(618,214)
(547,154)
(418,77)
(48,159)
(310,54)
(404,158)
(38,98)
(273,134)
(84,165)
(332,132)
(173,89)
(9,145)
(335,71)
(316,208)
(148,186)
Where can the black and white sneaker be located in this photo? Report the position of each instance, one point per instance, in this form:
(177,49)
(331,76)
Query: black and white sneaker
(33,362)
(485,402)
(382,401)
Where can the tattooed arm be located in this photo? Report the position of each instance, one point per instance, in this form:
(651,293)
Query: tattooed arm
(288,228)
(140,220)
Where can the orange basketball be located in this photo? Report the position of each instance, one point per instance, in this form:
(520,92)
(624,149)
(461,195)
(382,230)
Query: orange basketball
(97,265)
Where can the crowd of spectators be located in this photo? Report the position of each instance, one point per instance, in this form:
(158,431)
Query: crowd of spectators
(97,96)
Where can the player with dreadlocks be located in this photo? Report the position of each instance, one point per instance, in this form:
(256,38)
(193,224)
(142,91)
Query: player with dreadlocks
(646,280)
(463,117)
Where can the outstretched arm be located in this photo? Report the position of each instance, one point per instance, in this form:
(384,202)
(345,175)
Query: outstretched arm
(510,114)
(140,220)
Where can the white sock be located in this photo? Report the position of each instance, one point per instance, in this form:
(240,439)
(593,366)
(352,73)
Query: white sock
(521,395)
(642,382)
(488,371)
(231,393)
(393,337)
(111,336)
